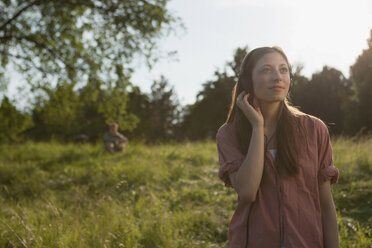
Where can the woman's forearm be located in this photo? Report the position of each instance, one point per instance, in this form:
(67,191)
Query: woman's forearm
(249,175)
(330,228)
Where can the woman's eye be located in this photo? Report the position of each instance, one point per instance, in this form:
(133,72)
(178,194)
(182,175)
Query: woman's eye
(265,70)
(283,69)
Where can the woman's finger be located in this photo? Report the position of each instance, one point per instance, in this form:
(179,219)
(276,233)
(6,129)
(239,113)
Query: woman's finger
(246,98)
(255,103)
(240,96)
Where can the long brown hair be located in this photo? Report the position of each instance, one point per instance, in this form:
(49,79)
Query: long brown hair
(288,127)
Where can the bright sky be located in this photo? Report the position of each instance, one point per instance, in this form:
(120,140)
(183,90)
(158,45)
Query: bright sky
(315,33)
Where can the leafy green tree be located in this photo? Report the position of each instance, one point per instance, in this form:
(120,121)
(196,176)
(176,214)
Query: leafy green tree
(13,122)
(113,106)
(80,43)
(58,116)
(323,95)
(298,84)
(358,107)
(236,63)
(72,38)
(65,113)
(91,120)
(203,118)
(164,111)
(206,115)
(139,105)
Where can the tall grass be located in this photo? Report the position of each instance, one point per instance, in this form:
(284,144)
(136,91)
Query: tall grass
(169,195)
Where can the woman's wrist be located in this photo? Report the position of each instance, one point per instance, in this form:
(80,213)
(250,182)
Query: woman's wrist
(257,128)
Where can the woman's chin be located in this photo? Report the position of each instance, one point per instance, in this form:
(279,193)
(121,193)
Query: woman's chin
(273,99)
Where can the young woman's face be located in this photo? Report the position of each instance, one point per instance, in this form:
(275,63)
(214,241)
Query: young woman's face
(270,78)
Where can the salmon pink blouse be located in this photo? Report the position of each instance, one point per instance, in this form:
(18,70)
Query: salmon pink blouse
(286,212)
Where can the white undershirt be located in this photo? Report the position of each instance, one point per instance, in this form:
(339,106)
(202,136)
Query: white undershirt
(273,152)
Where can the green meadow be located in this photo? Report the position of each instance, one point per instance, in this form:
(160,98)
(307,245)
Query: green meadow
(166,195)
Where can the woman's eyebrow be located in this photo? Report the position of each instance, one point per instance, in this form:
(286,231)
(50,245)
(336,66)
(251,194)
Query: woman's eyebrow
(271,65)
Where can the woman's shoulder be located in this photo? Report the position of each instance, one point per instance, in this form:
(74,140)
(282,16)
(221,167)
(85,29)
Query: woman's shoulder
(312,123)
(226,131)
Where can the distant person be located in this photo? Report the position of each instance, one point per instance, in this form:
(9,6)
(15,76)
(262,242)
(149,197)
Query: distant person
(278,160)
(114,141)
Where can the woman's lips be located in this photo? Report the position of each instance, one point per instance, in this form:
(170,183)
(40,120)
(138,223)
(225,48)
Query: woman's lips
(277,88)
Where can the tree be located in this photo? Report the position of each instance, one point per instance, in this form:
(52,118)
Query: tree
(236,63)
(91,120)
(163,111)
(139,105)
(113,106)
(73,38)
(65,114)
(323,95)
(13,123)
(298,84)
(203,118)
(358,107)
(76,43)
(58,116)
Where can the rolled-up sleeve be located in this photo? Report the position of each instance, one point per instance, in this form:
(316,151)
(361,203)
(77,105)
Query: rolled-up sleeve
(327,170)
(230,157)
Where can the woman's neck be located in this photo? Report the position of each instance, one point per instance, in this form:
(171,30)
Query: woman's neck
(270,111)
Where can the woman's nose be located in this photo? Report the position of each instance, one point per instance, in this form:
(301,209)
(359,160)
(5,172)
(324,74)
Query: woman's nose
(277,75)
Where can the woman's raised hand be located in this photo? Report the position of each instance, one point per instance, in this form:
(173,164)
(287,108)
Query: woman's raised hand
(253,113)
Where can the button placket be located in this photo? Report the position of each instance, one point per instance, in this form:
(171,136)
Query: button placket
(279,191)
(281,214)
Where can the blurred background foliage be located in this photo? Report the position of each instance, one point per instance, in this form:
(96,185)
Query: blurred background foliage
(76,56)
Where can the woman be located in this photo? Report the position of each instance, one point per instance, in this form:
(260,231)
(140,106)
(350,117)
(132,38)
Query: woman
(279,161)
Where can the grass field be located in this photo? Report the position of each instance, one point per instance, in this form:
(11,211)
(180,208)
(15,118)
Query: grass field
(55,195)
